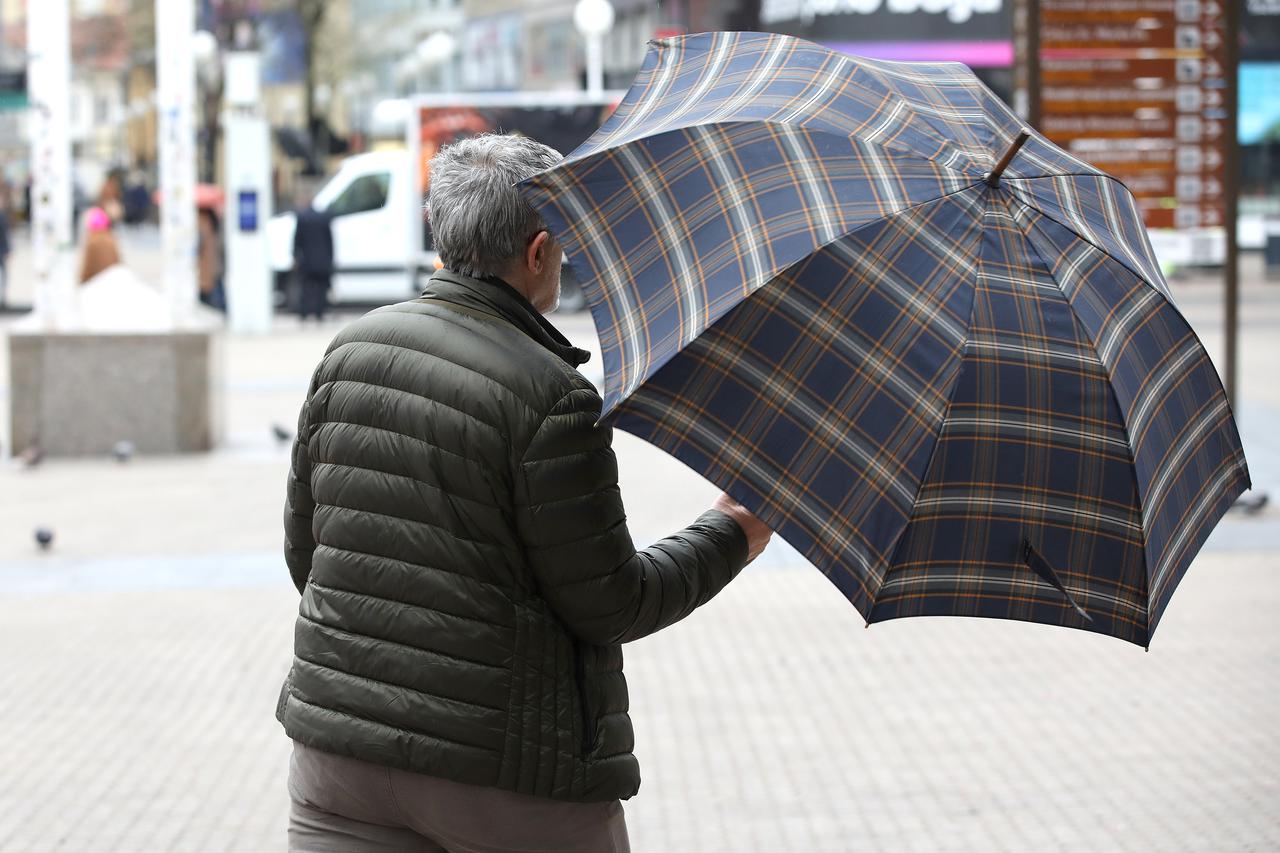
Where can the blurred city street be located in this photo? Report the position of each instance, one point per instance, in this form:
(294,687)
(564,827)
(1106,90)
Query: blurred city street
(782,206)
(147,647)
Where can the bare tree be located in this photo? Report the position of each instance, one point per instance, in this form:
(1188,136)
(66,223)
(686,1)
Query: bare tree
(312,15)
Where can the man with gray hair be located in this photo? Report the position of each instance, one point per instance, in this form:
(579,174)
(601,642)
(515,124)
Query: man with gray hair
(454,525)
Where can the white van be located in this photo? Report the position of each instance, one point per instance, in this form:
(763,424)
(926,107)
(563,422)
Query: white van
(376,253)
(382,248)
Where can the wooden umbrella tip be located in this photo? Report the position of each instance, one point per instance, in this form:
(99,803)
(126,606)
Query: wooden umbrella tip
(993,177)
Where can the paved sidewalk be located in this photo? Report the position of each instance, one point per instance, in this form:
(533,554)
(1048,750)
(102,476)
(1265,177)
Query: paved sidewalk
(768,721)
(145,651)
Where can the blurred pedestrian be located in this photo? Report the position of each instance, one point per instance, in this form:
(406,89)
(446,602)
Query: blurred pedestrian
(111,198)
(209,257)
(79,204)
(454,525)
(4,246)
(313,261)
(100,249)
(137,200)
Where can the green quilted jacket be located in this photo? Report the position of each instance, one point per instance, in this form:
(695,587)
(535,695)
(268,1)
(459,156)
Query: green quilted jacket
(454,525)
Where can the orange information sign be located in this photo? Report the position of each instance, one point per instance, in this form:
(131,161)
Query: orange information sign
(1136,87)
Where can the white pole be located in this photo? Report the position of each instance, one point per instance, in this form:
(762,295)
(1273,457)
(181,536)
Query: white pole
(49,84)
(595,64)
(450,79)
(593,18)
(175,93)
(247,176)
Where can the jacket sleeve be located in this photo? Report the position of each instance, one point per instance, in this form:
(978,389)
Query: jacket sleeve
(298,505)
(571,520)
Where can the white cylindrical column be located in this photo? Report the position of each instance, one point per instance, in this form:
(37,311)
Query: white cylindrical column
(594,18)
(49,87)
(595,65)
(247,173)
(175,96)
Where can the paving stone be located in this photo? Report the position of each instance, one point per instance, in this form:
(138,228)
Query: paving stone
(769,721)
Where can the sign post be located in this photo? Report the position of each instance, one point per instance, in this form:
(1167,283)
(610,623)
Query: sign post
(175,93)
(247,172)
(1231,193)
(49,81)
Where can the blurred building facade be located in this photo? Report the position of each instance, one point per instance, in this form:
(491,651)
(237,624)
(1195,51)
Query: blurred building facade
(389,39)
(100,56)
(327,65)
(1259,84)
(13,144)
(140,85)
(100,59)
(515,45)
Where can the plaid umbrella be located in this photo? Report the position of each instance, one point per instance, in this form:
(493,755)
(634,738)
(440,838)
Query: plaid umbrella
(948,371)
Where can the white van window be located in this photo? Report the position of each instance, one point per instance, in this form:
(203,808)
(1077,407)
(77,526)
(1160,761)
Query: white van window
(367,192)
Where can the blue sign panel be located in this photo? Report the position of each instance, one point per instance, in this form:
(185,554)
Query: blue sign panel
(247,208)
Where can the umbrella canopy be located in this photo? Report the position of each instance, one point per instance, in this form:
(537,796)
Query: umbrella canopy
(957,390)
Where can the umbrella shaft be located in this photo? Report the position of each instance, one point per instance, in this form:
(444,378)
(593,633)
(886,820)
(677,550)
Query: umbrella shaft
(993,177)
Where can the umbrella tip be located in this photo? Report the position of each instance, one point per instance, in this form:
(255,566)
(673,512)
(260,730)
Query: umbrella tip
(993,177)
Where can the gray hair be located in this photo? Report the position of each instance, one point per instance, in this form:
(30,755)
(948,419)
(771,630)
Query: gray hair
(480,221)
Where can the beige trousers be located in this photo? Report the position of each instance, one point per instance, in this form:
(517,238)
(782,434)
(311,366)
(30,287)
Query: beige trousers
(342,805)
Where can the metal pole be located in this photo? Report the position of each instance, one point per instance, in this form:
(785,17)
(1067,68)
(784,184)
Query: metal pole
(49,81)
(1231,193)
(175,91)
(1033,62)
(247,175)
(595,65)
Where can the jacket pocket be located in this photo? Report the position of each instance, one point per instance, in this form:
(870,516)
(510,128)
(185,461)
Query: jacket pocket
(584,700)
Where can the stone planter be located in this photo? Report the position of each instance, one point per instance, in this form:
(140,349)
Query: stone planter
(79,393)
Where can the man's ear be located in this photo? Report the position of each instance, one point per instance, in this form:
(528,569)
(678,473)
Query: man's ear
(535,254)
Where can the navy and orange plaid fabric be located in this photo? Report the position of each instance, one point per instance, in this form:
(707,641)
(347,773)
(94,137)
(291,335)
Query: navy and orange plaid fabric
(954,399)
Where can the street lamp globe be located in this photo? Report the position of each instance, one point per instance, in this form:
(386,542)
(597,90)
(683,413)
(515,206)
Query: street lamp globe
(204,47)
(389,116)
(593,18)
(437,48)
(422,53)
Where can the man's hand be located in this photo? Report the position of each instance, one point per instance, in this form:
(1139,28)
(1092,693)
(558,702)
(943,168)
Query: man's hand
(757,534)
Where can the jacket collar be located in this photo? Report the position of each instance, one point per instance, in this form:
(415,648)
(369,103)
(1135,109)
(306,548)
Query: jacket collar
(494,296)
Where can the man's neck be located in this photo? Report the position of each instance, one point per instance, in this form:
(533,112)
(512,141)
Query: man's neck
(519,285)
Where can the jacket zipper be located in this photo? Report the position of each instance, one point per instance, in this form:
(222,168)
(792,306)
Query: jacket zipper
(588,733)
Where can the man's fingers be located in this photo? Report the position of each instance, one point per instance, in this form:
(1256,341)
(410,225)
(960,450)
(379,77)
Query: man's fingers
(758,534)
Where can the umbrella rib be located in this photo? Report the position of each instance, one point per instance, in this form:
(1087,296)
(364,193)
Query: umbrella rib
(933,451)
(1127,264)
(1026,228)
(1155,582)
(886,80)
(1153,294)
